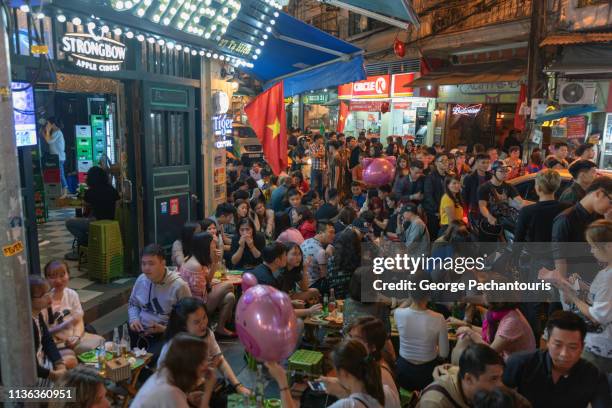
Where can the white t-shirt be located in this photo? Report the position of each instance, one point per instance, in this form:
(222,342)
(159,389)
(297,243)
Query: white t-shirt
(57,145)
(357,400)
(600,299)
(158,393)
(68,307)
(423,335)
(213,349)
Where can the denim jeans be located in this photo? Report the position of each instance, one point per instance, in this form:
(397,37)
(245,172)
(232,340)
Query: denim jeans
(316,181)
(79,228)
(63,174)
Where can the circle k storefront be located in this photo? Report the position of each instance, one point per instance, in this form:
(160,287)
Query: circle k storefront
(382,106)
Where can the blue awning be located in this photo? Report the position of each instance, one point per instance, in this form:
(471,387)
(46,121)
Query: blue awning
(563,113)
(397,9)
(297,48)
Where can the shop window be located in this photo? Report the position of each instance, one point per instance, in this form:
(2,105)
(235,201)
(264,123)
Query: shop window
(360,24)
(168,135)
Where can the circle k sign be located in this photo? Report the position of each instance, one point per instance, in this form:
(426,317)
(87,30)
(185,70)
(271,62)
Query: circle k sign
(372,87)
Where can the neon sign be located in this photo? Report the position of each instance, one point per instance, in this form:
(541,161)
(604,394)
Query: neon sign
(222,127)
(94,52)
(202,18)
(467,110)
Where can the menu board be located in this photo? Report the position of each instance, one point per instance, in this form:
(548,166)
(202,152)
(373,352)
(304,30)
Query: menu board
(576,127)
(24,114)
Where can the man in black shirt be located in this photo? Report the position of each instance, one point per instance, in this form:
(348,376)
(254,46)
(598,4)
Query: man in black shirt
(361,147)
(274,258)
(329,209)
(472,182)
(584,173)
(557,377)
(569,227)
(495,197)
(433,191)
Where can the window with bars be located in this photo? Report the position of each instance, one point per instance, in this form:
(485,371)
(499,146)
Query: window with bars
(169,138)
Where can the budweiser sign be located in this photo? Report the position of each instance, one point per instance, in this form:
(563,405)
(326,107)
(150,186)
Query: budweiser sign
(467,110)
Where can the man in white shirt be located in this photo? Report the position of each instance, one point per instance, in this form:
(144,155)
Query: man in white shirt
(55,139)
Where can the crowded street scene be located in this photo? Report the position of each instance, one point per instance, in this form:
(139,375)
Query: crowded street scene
(306,203)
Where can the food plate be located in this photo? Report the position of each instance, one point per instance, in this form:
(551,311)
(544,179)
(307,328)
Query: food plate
(90,357)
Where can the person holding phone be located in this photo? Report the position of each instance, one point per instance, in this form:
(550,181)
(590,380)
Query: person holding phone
(54,137)
(154,294)
(358,384)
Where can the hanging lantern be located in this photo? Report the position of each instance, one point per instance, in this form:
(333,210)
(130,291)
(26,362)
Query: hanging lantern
(399,47)
(384,107)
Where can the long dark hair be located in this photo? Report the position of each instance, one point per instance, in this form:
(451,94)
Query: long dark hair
(200,248)
(456,197)
(187,233)
(352,357)
(97,177)
(347,251)
(207,222)
(185,355)
(180,313)
(282,222)
(374,333)
(289,247)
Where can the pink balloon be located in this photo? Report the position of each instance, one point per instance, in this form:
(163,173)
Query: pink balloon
(379,171)
(248,281)
(266,323)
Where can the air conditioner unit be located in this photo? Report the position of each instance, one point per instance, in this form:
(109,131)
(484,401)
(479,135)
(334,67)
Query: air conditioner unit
(577,93)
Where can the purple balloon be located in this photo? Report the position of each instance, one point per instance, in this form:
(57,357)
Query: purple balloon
(248,281)
(266,323)
(379,171)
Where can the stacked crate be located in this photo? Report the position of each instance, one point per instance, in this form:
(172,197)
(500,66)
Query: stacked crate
(84,149)
(51,180)
(105,251)
(40,208)
(98,136)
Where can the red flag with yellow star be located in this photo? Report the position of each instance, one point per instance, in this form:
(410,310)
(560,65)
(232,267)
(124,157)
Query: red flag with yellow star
(267,118)
(342,116)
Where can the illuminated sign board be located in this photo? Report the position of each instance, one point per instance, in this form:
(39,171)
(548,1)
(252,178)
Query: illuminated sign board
(94,52)
(202,18)
(222,128)
(467,110)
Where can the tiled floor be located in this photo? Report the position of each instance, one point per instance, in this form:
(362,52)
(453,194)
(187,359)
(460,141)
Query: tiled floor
(54,242)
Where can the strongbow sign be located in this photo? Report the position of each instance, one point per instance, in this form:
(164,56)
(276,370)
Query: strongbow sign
(94,52)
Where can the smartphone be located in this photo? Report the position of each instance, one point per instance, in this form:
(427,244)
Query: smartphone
(317,386)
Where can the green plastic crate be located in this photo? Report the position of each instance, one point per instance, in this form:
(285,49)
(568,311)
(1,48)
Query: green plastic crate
(306,361)
(105,259)
(84,143)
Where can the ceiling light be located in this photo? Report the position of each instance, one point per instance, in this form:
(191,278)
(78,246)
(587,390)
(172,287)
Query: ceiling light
(25,8)
(202,53)
(269,29)
(91,25)
(76,21)
(151,40)
(140,37)
(194,52)
(170,45)
(104,29)
(129,34)
(208,55)
(222,58)
(166,20)
(258,51)
(161,42)
(215,56)
(178,47)
(261,43)
(119,5)
(117,31)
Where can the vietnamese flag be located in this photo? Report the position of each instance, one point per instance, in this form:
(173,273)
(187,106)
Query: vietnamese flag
(267,118)
(342,116)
